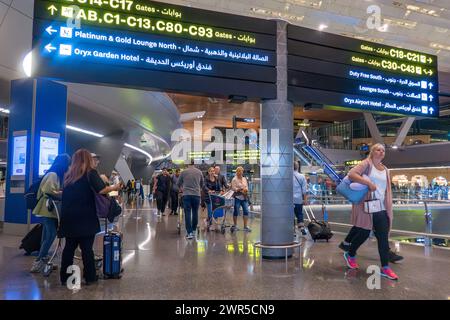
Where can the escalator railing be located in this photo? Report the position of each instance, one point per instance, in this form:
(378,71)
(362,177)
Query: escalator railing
(323,161)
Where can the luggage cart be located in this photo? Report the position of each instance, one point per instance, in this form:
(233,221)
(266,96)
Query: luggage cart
(49,266)
(220,205)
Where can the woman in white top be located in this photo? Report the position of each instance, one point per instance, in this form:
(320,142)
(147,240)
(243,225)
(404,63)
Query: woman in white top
(240,187)
(378,218)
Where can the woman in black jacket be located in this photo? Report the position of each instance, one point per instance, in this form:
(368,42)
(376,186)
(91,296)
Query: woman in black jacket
(211,186)
(79,221)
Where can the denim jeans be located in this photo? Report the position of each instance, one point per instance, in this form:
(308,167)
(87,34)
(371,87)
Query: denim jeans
(210,210)
(240,203)
(298,210)
(48,235)
(190,206)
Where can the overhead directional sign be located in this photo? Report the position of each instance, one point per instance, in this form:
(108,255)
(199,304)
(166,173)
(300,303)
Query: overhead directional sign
(145,44)
(338,71)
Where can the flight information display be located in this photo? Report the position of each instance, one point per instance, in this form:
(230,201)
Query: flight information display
(152,45)
(338,71)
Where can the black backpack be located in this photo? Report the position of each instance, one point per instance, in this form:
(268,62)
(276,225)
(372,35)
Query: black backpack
(31,195)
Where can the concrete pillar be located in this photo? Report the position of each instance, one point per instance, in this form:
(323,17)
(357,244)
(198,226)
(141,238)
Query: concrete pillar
(37,134)
(277,161)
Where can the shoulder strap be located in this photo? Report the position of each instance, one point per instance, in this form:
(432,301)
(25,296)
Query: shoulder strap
(297,180)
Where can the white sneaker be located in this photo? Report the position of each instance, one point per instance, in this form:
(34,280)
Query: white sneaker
(37,266)
(247,229)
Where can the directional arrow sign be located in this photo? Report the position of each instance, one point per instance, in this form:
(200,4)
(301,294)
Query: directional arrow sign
(431,110)
(431,86)
(431,97)
(430,60)
(50,30)
(50,48)
(53,9)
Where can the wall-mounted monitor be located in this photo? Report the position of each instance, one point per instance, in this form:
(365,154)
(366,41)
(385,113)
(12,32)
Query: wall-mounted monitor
(19,161)
(48,151)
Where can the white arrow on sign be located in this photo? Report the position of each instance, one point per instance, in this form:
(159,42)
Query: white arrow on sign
(50,30)
(431,110)
(50,48)
(52,8)
(431,86)
(431,97)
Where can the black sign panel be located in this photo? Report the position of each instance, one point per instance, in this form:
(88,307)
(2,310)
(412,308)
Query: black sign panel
(339,71)
(151,45)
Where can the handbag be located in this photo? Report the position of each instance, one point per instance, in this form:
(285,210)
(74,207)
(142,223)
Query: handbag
(102,203)
(354,195)
(115,210)
(372,205)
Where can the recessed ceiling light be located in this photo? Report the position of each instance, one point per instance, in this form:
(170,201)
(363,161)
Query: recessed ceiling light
(323,27)
(98,135)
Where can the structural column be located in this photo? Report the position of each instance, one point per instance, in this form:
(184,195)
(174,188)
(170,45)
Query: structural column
(36,135)
(277,120)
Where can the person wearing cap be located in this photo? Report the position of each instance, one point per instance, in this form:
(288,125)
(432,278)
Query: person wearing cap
(96,158)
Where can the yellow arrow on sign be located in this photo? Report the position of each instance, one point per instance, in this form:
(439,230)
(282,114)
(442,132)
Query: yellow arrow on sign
(53,9)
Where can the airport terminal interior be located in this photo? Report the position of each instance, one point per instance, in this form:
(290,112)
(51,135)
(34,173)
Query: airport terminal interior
(247,93)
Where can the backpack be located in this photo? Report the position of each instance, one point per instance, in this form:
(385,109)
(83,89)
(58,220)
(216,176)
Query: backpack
(31,195)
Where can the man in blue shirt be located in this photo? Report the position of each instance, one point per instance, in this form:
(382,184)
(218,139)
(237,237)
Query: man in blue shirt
(300,194)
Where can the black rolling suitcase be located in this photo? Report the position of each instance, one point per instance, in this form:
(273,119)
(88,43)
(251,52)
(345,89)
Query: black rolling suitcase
(32,241)
(112,254)
(319,230)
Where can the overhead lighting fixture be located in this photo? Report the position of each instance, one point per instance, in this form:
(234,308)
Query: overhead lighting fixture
(98,135)
(27,64)
(439,46)
(277,14)
(3,110)
(307,3)
(401,23)
(323,27)
(141,151)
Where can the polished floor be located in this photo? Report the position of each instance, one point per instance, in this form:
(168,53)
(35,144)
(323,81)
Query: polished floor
(160,264)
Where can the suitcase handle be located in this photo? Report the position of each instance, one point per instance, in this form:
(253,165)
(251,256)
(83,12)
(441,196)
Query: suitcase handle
(310,213)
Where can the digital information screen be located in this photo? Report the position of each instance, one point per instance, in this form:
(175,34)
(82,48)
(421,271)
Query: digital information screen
(338,71)
(19,156)
(151,45)
(49,150)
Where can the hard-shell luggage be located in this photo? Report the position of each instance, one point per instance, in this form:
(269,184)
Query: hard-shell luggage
(319,230)
(112,255)
(32,241)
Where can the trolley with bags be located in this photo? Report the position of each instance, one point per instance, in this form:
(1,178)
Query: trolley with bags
(220,205)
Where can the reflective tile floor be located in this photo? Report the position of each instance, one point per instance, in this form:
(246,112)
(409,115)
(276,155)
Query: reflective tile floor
(160,264)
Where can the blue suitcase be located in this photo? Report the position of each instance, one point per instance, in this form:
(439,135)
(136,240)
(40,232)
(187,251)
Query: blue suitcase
(112,255)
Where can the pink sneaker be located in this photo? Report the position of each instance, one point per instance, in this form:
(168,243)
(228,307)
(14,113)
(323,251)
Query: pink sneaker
(351,262)
(388,273)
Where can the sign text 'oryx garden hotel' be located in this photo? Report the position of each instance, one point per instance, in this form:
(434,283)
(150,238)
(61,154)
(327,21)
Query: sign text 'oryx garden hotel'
(152,45)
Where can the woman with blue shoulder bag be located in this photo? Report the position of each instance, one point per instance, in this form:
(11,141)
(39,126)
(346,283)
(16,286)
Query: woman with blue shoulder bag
(375,212)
